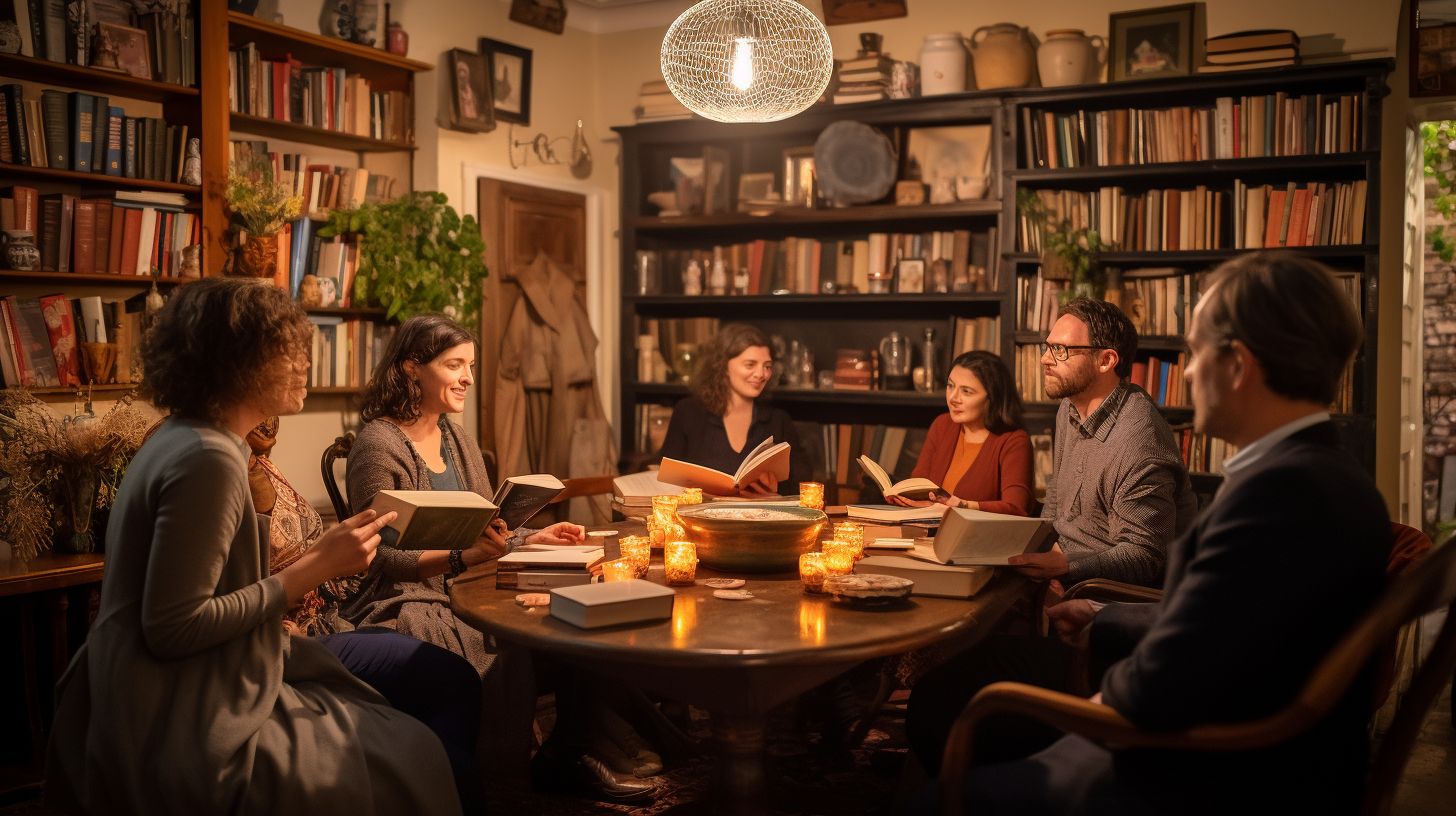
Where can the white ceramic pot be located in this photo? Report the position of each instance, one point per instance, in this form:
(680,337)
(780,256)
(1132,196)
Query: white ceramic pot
(1069,57)
(943,64)
(1003,56)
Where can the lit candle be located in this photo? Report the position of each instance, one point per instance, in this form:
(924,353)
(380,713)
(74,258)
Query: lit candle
(837,545)
(690,495)
(680,563)
(811,494)
(811,571)
(838,562)
(664,510)
(637,551)
(851,534)
(619,570)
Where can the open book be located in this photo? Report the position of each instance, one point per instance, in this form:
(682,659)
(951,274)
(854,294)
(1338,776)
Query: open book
(893,514)
(435,519)
(917,489)
(637,489)
(521,497)
(766,458)
(975,537)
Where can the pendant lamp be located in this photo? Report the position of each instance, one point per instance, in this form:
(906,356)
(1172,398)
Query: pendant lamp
(747,60)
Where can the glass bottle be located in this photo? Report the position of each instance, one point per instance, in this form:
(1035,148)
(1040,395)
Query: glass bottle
(718,278)
(929,355)
(895,362)
(740,281)
(806,368)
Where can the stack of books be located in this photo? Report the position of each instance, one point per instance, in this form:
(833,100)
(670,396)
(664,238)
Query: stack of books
(864,79)
(1246,50)
(546,568)
(657,104)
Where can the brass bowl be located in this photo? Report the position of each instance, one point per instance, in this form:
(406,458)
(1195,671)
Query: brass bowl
(752,545)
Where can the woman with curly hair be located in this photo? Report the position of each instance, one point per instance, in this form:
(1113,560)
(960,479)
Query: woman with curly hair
(188,696)
(724,419)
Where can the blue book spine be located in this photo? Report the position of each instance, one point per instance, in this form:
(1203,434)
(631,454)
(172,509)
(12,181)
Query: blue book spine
(298,253)
(113,140)
(82,115)
(1165,368)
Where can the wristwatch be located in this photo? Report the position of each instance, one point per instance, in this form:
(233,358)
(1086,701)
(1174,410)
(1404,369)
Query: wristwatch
(457,562)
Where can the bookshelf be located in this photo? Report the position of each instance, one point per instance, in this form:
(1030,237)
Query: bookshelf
(827,322)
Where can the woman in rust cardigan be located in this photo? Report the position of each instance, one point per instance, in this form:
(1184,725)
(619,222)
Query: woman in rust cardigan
(978,452)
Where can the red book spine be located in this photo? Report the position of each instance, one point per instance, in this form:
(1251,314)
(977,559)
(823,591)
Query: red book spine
(61,328)
(131,238)
(1235,137)
(12,326)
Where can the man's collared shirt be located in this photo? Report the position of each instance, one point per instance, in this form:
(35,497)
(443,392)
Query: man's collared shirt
(1255,450)
(1099,423)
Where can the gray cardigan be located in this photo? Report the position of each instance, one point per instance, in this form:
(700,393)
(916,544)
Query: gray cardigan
(187,696)
(391,595)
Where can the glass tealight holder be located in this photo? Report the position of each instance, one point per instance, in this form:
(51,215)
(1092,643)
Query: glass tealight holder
(811,494)
(838,561)
(680,563)
(619,570)
(690,495)
(812,571)
(853,545)
(637,551)
(664,510)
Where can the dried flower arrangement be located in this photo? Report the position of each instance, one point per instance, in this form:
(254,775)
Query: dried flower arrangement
(56,473)
(263,203)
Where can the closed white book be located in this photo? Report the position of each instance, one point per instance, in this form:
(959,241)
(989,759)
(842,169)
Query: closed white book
(435,519)
(936,580)
(617,602)
(975,537)
(557,558)
(541,579)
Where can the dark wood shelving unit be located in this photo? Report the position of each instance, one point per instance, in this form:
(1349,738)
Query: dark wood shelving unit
(82,389)
(1205,256)
(1221,169)
(308,134)
(349,311)
(94,179)
(93,80)
(334,390)
(803,216)
(98,279)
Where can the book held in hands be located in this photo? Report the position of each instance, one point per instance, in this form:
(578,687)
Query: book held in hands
(916,489)
(435,519)
(978,538)
(521,497)
(766,458)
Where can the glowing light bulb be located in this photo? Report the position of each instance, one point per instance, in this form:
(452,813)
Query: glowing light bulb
(743,63)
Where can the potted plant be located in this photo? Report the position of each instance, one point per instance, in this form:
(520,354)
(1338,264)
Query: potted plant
(416,256)
(264,205)
(1067,253)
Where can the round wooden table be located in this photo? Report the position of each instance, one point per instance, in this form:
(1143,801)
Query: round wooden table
(739,659)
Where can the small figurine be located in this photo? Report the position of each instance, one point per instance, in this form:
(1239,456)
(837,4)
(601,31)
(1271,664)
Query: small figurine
(693,279)
(106,51)
(192,166)
(740,281)
(718,278)
(328,291)
(310,293)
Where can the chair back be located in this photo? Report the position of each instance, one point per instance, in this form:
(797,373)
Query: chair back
(584,486)
(339,450)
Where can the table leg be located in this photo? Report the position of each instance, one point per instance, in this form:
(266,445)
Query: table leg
(740,782)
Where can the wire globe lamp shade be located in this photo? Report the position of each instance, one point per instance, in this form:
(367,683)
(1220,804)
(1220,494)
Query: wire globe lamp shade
(747,60)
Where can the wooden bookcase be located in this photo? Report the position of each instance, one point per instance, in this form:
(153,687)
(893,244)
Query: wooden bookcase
(827,322)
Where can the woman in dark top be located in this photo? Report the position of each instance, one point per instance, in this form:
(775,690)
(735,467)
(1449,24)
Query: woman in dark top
(725,419)
(978,452)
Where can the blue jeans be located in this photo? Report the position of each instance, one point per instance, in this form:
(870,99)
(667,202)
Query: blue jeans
(434,685)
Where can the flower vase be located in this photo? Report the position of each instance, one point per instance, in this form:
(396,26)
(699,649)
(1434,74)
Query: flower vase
(80,498)
(258,257)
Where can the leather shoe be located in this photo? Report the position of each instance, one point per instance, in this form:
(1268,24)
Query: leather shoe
(586,777)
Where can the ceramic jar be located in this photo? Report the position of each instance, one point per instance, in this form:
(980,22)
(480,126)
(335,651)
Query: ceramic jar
(397,39)
(943,64)
(1003,56)
(1068,57)
(257,257)
(20,252)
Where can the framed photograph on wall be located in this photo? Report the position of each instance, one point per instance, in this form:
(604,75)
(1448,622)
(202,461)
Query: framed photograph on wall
(547,15)
(133,48)
(471,108)
(799,176)
(1433,47)
(910,276)
(1156,42)
(510,77)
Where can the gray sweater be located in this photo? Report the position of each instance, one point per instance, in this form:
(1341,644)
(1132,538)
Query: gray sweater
(1119,493)
(391,594)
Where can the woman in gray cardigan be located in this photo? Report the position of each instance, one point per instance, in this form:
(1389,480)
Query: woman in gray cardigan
(187,696)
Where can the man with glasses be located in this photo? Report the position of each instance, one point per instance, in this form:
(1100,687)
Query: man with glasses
(1118,496)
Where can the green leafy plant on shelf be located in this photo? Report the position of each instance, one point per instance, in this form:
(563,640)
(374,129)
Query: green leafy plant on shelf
(1069,254)
(416,256)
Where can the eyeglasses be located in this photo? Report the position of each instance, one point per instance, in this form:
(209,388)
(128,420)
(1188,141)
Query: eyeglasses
(1060,352)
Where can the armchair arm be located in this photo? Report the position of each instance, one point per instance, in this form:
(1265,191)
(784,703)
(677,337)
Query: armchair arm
(1101,589)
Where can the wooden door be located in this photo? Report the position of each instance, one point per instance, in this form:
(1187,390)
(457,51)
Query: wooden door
(518,221)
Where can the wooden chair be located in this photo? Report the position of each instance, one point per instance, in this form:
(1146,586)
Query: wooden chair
(1425,587)
(584,486)
(339,450)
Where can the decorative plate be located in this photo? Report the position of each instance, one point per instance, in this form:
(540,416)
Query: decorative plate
(855,164)
(868,589)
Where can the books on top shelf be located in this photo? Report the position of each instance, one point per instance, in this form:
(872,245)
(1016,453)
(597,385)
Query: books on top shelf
(657,104)
(47,31)
(1277,124)
(613,603)
(40,337)
(277,86)
(435,519)
(767,457)
(114,234)
(1247,50)
(864,79)
(521,497)
(85,133)
(934,580)
(1312,214)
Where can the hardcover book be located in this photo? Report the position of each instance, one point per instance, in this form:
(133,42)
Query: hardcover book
(100,128)
(435,519)
(61,331)
(53,105)
(521,497)
(617,602)
(915,489)
(935,580)
(766,458)
(978,538)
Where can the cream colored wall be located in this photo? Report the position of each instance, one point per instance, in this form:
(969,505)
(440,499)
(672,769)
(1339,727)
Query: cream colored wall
(596,77)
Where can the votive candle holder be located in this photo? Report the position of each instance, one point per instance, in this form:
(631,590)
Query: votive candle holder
(811,494)
(637,551)
(664,509)
(619,570)
(812,572)
(680,563)
(690,495)
(838,562)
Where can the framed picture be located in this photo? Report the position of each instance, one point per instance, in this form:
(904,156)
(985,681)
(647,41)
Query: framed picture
(470,92)
(1156,42)
(954,161)
(910,276)
(510,77)
(547,15)
(133,48)
(756,187)
(1433,48)
(799,176)
(842,12)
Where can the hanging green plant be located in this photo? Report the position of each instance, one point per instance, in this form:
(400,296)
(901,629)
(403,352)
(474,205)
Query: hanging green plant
(416,256)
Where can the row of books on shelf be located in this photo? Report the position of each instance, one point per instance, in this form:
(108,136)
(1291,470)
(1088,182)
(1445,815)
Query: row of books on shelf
(85,133)
(1277,124)
(1203,453)
(40,338)
(279,87)
(322,187)
(331,262)
(345,352)
(1160,374)
(129,232)
(1158,301)
(1246,217)
(155,41)
(975,334)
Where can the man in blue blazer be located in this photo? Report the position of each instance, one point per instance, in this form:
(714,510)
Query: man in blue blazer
(1283,563)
